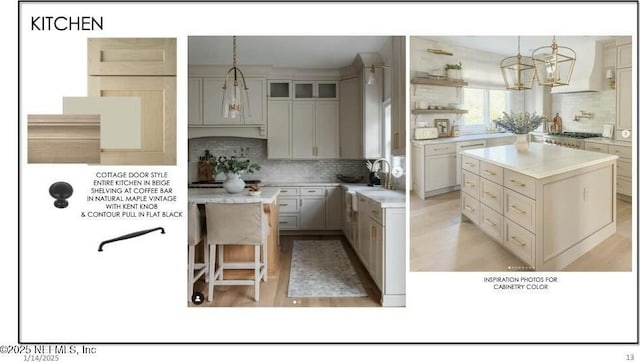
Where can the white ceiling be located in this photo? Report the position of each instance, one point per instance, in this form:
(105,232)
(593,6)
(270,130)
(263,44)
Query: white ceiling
(283,51)
(508,45)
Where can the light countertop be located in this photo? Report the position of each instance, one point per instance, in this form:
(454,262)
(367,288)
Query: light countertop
(541,160)
(469,137)
(219,195)
(301,183)
(608,141)
(386,198)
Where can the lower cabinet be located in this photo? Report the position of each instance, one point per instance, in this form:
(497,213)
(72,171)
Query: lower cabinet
(546,222)
(623,169)
(310,208)
(381,248)
(312,213)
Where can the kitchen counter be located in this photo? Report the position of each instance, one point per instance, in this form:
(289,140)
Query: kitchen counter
(608,141)
(302,183)
(469,137)
(386,198)
(541,160)
(203,195)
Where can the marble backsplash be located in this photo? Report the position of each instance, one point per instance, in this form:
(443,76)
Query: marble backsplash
(273,170)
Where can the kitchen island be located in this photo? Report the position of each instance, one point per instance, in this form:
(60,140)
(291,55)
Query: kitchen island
(241,253)
(548,206)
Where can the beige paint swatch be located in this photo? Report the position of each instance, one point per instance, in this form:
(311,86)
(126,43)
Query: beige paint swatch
(120,119)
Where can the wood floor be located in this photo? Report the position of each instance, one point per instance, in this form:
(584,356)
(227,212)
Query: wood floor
(273,293)
(441,242)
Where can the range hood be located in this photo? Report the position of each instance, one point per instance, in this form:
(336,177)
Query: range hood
(588,70)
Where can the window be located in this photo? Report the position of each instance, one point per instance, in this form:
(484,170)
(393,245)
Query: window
(483,105)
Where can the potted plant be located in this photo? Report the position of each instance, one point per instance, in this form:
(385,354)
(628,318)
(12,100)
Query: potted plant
(233,167)
(454,71)
(520,124)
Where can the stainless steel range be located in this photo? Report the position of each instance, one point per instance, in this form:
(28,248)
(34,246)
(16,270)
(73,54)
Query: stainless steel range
(565,139)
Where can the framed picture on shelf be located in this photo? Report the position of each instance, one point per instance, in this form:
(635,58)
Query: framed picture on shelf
(444,129)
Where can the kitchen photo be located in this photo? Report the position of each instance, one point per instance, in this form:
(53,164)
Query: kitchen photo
(296,171)
(521,153)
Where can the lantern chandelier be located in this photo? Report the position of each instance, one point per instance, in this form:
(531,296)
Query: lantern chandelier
(235,96)
(554,64)
(518,71)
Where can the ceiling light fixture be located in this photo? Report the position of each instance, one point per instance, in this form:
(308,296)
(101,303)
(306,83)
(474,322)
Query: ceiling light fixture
(518,71)
(554,64)
(235,98)
(371,76)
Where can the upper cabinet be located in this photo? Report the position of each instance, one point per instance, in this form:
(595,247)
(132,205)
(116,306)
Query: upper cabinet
(205,102)
(307,90)
(279,89)
(131,56)
(361,114)
(398,96)
(624,85)
(302,118)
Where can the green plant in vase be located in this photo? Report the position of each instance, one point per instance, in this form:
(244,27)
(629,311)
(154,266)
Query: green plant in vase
(233,167)
(520,124)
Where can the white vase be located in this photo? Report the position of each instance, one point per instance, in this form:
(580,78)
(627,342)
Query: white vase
(522,142)
(233,184)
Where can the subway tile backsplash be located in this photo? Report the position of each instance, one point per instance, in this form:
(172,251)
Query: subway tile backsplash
(274,170)
(601,104)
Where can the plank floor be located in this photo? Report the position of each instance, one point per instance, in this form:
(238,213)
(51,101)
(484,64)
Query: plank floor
(273,293)
(441,242)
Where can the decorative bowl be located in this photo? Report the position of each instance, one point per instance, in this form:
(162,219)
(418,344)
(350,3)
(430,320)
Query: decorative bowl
(255,193)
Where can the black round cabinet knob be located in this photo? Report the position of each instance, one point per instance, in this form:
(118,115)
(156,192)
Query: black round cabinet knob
(60,191)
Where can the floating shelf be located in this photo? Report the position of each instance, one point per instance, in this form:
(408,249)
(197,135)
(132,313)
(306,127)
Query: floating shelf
(439,82)
(436,111)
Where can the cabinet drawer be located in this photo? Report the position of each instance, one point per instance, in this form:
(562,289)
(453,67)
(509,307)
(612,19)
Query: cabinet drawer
(312,191)
(596,147)
(491,172)
(491,222)
(491,194)
(620,151)
(518,182)
(624,167)
(288,222)
(470,164)
(520,209)
(375,211)
(432,150)
(470,207)
(623,185)
(520,241)
(289,191)
(471,184)
(288,204)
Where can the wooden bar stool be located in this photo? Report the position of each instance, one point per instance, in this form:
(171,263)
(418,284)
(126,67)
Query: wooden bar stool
(195,235)
(237,224)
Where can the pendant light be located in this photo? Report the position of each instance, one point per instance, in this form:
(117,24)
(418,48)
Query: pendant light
(518,71)
(554,64)
(235,93)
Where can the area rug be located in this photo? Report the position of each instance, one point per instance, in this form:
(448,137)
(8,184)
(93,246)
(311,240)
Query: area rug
(321,268)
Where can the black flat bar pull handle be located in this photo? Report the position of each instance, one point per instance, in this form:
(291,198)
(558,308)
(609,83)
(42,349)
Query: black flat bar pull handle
(129,236)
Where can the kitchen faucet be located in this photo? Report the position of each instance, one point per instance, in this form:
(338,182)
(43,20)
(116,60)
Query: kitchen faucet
(387,175)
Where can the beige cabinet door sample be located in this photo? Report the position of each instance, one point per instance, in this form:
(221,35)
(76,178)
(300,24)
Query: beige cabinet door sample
(158,117)
(131,56)
(59,138)
(120,124)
